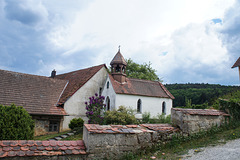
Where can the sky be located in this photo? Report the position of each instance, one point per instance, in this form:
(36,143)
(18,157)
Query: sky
(187,41)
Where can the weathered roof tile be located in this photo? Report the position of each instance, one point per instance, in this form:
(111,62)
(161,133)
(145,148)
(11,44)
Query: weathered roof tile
(20,153)
(31,148)
(45,143)
(3,154)
(53,143)
(12,153)
(67,143)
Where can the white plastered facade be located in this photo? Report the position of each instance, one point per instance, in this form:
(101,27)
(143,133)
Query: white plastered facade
(75,105)
(153,105)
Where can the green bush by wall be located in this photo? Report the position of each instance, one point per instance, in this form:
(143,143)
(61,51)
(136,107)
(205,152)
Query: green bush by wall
(15,123)
(231,106)
(76,123)
(122,116)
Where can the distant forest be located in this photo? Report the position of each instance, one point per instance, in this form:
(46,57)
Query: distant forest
(198,93)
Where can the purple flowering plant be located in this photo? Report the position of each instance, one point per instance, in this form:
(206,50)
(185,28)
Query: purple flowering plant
(94,108)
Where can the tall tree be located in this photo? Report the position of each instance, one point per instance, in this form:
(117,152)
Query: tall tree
(141,71)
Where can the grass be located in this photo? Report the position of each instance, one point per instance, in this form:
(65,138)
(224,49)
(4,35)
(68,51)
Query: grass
(74,137)
(49,136)
(176,151)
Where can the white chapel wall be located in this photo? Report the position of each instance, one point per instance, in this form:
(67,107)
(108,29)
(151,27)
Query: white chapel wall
(149,104)
(75,105)
(109,92)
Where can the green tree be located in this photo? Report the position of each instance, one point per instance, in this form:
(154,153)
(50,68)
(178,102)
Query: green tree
(141,71)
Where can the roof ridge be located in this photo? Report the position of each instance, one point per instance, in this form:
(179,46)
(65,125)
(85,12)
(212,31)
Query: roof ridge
(31,75)
(137,79)
(61,94)
(81,69)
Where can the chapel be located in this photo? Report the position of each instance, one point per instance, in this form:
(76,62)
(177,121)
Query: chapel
(140,95)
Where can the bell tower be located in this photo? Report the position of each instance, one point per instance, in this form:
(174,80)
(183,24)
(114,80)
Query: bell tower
(118,67)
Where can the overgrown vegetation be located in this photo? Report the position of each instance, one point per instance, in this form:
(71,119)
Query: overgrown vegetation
(122,116)
(160,118)
(198,93)
(15,123)
(231,104)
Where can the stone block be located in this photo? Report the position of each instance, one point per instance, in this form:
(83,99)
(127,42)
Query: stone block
(64,136)
(58,138)
(70,134)
(155,137)
(126,139)
(144,138)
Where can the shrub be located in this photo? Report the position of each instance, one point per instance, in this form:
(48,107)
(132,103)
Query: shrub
(122,116)
(15,123)
(162,118)
(146,117)
(76,123)
(94,108)
(231,106)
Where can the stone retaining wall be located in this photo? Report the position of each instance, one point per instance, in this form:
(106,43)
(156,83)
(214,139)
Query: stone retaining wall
(113,141)
(195,120)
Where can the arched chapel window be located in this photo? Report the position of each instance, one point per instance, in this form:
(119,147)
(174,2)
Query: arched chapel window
(164,108)
(139,106)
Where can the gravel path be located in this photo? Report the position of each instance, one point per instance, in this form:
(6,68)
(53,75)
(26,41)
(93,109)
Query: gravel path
(228,151)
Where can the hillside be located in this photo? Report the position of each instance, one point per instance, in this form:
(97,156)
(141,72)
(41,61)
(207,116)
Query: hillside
(198,93)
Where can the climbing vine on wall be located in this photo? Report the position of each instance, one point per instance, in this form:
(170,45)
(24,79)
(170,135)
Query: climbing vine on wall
(231,106)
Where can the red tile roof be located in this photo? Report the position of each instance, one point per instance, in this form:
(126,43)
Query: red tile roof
(204,112)
(141,87)
(76,80)
(22,148)
(237,63)
(125,129)
(37,94)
